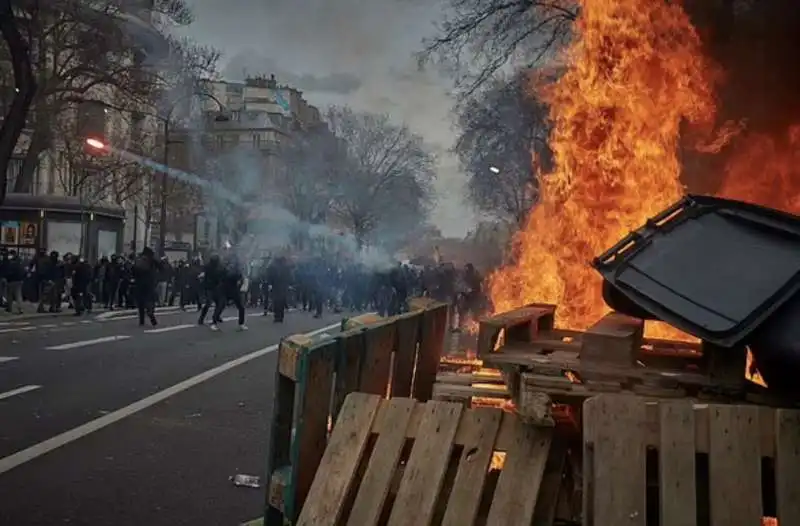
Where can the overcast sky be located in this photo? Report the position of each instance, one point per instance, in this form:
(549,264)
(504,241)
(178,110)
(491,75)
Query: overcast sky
(356,52)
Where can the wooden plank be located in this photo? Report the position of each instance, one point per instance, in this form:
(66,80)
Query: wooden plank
(407,327)
(517,489)
(478,377)
(348,367)
(432,333)
(734,465)
(615,338)
(425,470)
(477,432)
(552,481)
(280,443)
(677,464)
(288,356)
(311,430)
(518,325)
(787,465)
(342,456)
(393,419)
(615,482)
(376,366)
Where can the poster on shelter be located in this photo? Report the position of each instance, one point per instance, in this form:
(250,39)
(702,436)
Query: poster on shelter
(28,234)
(9,233)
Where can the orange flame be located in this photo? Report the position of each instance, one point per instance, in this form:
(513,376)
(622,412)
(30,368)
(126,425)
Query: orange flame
(635,75)
(766,170)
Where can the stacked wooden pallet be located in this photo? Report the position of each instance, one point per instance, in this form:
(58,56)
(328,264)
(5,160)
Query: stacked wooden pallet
(613,355)
(395,356)
(674,462)
(403,463)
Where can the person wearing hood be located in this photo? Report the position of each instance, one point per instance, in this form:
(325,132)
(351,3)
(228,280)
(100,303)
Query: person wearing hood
(230,289)
(212,277)
(81,284)
(145,273)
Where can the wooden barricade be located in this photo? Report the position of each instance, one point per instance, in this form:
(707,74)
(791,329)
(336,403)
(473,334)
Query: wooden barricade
(613,355)
(404,463)
(395,356)
(679,463)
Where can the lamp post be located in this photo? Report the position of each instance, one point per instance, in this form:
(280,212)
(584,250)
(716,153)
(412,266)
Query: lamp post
(162,234)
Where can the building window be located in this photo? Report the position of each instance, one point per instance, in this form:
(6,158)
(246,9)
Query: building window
(220,141)
(256,140)
(12,171)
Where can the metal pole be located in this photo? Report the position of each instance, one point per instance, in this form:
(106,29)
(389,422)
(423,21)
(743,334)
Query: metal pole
(162,234)
(135,227)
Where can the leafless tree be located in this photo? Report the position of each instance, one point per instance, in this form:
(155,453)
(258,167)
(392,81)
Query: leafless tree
(384,178)
(310,161)
(502,143)
(88,52)
(477,38)
(18,55)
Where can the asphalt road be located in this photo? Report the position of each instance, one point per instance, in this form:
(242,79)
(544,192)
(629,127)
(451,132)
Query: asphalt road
(103,422)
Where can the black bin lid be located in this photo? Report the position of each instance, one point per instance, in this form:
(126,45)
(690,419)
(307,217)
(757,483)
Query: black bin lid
(714,268)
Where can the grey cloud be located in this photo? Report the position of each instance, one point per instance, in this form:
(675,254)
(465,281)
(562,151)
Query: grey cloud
(251,62)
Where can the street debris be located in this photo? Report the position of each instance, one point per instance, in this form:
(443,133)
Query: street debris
(249,481)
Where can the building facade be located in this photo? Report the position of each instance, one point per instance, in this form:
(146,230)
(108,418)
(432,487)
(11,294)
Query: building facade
(74,200)
(240,136)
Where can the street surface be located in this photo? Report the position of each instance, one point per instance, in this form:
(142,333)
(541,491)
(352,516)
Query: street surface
(103,422)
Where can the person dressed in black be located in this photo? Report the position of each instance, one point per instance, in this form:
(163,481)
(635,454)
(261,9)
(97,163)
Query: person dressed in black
(279,276)
(81,283)
(229,289)
(145,275)
(212,277)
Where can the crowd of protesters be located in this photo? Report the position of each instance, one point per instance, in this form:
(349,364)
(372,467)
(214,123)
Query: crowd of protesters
(311,283)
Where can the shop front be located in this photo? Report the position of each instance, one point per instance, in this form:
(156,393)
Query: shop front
(61,223)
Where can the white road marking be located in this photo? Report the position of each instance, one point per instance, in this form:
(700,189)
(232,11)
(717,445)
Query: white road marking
(13,323)
(85,343)
(26,455)
(19,329)
(121,314)
(168,329)
(19,391)
(4,359)
(134,316)
(48,326)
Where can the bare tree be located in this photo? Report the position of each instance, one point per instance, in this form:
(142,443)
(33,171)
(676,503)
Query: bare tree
(25,88)
(502,144)
(383,179)
(86,52)
(311,159)
(477,38)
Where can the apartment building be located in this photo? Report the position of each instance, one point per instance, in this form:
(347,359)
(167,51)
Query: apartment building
(75,202)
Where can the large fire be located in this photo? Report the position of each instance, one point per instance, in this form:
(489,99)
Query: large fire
(635,78)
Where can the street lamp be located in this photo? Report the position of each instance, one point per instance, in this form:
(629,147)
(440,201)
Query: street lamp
(162,234)
(97,144)
(494,169)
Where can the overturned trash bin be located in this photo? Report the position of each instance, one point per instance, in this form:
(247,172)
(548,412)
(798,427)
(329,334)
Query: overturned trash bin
(724,271)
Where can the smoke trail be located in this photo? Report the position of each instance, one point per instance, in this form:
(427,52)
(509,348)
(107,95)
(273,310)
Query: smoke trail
(272,231)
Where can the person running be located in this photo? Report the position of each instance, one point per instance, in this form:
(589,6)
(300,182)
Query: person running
(230,289)
(212,277)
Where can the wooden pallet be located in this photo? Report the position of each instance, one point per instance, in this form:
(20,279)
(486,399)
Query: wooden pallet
(397,356)
(686,464)
(611,356)
(403,463)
